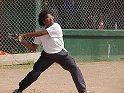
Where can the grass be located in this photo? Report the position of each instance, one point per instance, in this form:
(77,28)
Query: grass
(29,64)
(26,65)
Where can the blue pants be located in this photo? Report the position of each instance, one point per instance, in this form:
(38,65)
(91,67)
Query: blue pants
(46,60)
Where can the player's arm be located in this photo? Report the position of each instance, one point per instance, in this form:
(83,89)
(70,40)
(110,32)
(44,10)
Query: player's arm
(35,34)
(31,47)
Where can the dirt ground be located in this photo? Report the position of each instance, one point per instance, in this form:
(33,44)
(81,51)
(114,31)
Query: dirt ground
(100,77)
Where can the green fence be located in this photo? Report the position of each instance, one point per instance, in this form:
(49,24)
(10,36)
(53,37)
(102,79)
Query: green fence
(95,45)
(21,16)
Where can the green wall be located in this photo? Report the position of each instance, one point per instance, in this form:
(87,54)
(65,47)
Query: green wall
(94,45)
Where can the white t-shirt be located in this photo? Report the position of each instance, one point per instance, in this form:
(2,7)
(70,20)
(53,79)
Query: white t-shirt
(52,42)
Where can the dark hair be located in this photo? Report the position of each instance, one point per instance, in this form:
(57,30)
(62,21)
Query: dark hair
(43,16)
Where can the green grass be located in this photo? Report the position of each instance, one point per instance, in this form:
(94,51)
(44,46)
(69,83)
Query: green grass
(30,64)
(26,65)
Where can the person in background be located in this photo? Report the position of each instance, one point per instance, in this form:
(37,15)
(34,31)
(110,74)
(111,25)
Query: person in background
(101,23)
(91,22)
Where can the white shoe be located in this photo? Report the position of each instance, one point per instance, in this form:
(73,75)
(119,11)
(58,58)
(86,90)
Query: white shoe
(89,92)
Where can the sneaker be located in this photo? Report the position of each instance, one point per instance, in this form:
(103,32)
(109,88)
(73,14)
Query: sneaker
(89,92)
(17,91)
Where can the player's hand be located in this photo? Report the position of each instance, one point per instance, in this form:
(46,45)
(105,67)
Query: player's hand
(20,36)
(16,36)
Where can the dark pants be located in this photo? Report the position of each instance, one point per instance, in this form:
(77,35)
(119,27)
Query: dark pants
(46,60)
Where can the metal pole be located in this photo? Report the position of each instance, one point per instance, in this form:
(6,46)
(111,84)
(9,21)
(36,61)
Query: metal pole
(45,4)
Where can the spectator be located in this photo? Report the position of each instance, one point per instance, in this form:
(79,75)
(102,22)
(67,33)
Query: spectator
(101,23)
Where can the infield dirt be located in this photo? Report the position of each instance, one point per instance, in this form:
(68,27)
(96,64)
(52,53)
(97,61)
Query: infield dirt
(100,77)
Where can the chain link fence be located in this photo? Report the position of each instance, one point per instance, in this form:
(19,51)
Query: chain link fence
(87,14)
(20,16)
